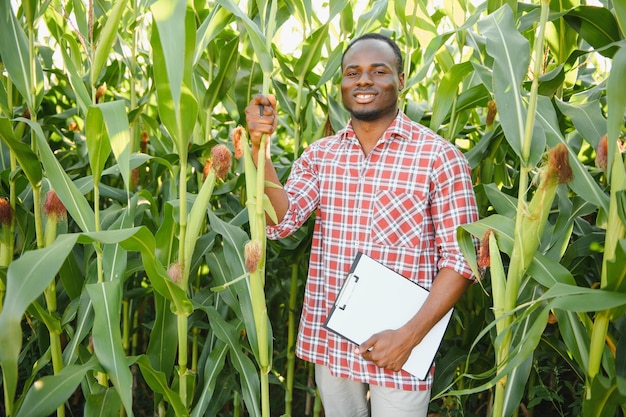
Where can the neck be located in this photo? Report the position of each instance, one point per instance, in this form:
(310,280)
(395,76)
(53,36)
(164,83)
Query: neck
(368,132)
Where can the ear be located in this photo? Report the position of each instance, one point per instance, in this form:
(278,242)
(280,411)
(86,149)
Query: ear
(401,82)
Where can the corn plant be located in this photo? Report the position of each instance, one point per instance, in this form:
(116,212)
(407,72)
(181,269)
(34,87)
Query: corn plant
(534,244)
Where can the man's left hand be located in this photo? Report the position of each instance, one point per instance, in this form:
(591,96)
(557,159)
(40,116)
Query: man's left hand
(388,349)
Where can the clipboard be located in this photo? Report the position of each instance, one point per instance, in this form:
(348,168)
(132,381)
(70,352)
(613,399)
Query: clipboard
(375,298)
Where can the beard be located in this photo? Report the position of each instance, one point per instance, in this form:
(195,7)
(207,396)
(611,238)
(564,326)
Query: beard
(372,114)
(366,115)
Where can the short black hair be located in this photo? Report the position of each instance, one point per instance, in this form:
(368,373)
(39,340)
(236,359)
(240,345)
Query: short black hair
(377,36)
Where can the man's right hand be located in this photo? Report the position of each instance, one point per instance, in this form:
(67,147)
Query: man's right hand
(262,120)
(261,117)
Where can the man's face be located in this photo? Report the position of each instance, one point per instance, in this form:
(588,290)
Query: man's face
(370,81)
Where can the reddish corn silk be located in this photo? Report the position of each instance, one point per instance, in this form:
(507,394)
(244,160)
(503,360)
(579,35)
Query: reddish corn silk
(252,254)
(6,212)
(54,207)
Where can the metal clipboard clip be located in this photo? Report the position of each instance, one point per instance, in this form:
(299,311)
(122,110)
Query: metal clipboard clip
(346,291)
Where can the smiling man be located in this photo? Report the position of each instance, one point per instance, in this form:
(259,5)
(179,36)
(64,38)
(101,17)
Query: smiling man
(392,189)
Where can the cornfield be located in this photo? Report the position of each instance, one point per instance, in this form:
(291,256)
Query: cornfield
(135,276)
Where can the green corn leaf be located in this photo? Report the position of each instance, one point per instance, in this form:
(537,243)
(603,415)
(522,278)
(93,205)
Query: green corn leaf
(4,101)
(604,398)
(104,403)
(172,55)
(114,259)
(71,277)
(346,15)
(620,202)
(234,241)
(498,282)
(82,19)
(616,103)
(367,20)
(210,28)
(107,129)
(336,7)
(15,55)
(246,369)
(106,39)
(269,208)
(504,204)
(478,154)
(616,271)
(165,236)
(597,26)
(28,160)
(581,299)
(472,97)
(222,273)
(529,329)
(51,322)
(332,66)
(587,118)
(620,14)
(27,278)
(212,368)
(83,98)
(139,239)
(188,116)
(493,5)
(227,72)
(466,243)
(107,338)
(49,392)
(516,382)
(118,130)
(254,34)
(84,323)
(158,383)
(161,346)
(303,10)
(98,145)
(511,56)
(73,200)
(165,89)
(575,336)
(544,270)
(311,52)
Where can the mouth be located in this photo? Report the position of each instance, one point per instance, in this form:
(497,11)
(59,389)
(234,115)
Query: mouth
(364,98)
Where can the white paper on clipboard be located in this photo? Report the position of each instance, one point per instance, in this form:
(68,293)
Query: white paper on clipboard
(375,298)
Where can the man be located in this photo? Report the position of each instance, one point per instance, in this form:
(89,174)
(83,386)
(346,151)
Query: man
(387,187)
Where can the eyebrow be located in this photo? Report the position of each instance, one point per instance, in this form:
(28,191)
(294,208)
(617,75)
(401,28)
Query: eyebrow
(375,64)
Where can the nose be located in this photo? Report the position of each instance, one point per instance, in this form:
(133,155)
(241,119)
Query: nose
(364,79)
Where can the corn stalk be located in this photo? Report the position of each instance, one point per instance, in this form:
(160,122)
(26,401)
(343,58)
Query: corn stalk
(615,226)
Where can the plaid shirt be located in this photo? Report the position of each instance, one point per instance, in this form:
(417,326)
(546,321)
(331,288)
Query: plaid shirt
(401,204)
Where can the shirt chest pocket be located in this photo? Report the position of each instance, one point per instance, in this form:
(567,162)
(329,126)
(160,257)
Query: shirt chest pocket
(398,218)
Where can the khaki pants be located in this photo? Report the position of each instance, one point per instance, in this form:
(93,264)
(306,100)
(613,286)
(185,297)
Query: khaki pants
(346,398)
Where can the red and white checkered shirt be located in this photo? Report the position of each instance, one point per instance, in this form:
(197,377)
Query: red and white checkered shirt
(401,205)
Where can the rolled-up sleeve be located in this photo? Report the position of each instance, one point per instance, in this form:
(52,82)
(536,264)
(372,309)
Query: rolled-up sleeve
(302,188)
(454,204)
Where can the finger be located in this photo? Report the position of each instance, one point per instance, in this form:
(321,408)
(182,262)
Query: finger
(272,100)
(269,100)
(365,347)
(256,127)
